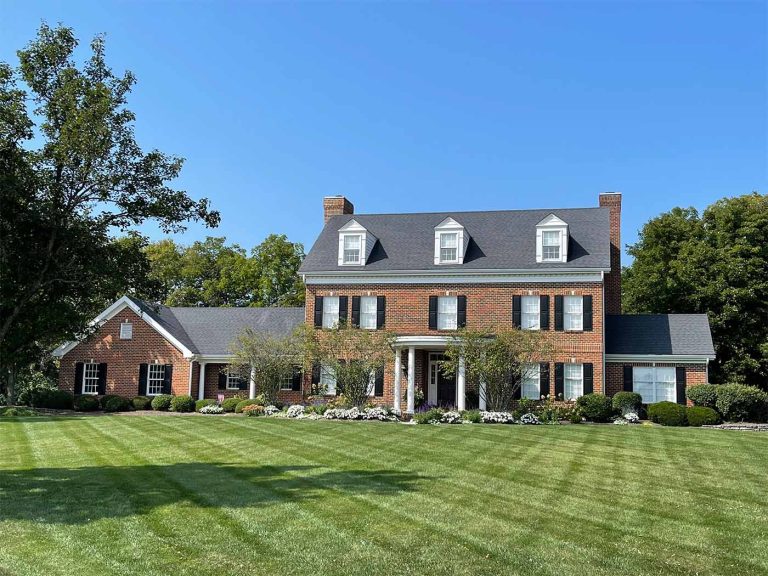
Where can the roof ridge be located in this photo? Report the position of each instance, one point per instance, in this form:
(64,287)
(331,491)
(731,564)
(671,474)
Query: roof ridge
(499,211)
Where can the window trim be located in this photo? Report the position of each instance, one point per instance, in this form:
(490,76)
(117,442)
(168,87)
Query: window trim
(566,379)
(559,245)
(94,377)
(374,313)
(359,236)
(528,375)
(568,315)
(444,314)
(523,313)
(233,378)
(326,300)
(455,234)
(327,371)
(128,325)
(150,379)
(655,382)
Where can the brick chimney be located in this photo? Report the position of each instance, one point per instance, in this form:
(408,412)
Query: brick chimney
(612,201)
(335,206)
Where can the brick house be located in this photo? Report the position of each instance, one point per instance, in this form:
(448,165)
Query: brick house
(422,277)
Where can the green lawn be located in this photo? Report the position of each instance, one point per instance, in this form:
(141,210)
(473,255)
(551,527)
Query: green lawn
(212,495)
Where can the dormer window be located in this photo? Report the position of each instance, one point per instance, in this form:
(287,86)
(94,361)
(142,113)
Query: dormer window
(451,241)
(352,244)
(355,244)
(551,240)
(550,243)
(449,247)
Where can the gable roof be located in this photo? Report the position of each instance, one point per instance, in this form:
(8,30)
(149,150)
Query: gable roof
(202,331)
(659,334)
(500,240)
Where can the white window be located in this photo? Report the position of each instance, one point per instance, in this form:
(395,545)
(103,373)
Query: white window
(352,250)
(574,381)
(530,312)
(126,331)
(233,381)
(368,309)
(573,317)
(155,379)
(655,383)
(447,313)
(330,311)
(530,385)
(286,383)
(550,245)
(328,380)
(449,247)
(91,379)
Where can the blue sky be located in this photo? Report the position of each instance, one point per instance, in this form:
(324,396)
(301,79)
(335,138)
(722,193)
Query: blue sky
(431,106)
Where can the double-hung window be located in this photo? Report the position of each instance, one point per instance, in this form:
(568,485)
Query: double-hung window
(368,309)
(327,380)
(449,247)
(447,313)
(286,382)
(573,315)
(550,245)
(655,383)
(530,313)
(155,378)
(233,381)
(330,311)
(352,248)
(91,379)
(530,381)
(574,381)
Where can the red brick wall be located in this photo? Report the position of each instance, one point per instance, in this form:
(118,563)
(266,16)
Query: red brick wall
(613,278)
(123,357)
(614,374)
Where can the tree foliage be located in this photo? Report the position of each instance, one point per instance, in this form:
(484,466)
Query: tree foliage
(714,263)
(500,358)
(72,175)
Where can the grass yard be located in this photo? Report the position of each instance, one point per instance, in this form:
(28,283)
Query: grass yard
(211,495)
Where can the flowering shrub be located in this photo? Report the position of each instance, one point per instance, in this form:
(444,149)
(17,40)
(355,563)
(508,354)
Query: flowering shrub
(271,409)
(451,417)
(431,416)
(529,418)
(374,413)
(620,421)
(497,418)
(295,411)
(379,413)
(253,410)
(632,417)
(211,409)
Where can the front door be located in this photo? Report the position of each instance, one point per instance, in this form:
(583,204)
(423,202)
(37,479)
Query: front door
(442,387)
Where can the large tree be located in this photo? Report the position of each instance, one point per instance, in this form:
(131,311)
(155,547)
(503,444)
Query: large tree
(73,177)
(714,263)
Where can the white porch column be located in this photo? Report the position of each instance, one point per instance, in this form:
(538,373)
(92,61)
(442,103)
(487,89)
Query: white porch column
(398,377)
(461,386)
(482,395)
(252,384)
(201,382)
(411,380)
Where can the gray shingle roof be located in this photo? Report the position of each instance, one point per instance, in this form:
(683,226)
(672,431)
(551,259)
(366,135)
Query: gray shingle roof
(500,240)
(682,334)
(212,331)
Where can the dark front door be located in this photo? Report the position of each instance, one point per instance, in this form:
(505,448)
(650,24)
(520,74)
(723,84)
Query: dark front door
(446,389)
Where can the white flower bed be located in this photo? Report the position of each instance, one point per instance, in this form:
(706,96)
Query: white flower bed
(632,417)
(376,413)
(295,411)
(270,410)
(529,419)
(497,417)
(212,409)
(451,417)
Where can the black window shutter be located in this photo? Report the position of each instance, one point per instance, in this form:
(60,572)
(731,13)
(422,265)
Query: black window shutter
(589,380)
(222,380)
(433,312)
(242,383)
(587,308)
(143,369)
(559,378)
(102,379)
(628,379)
(316,373)
(296,378)
(517,321)
(343,303)
(167,378)
(318,311)
(461,311)
(381,311)
(378,387)
(559,313)
(79,369)
(544,379)
(355,311)
(680,377)
(544,312)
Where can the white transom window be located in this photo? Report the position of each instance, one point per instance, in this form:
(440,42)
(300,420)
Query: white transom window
(368,309)
(330,311)
(126,331)
(328,380)
(655,383)
(449,247)
(91,379)
(530,385)
(447,313)
(550,245)
(352,248)
(530,312)
(155,378)
(574,381)
(573,317)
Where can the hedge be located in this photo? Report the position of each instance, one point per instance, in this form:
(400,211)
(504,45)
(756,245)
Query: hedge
(86,403)
(703,395)
(702,416)
(183,403)
(162,402)
(595,407)
(667,414)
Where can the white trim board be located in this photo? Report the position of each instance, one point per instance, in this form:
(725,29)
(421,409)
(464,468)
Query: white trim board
(458,277)
(112,311)
(673,358)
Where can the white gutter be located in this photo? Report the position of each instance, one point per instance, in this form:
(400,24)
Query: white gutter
(678,358)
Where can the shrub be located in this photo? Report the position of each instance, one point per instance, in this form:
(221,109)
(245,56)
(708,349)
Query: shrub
(667,414)
(253,410)
(702,416)
(230,404)
(595,407)
(431,416)
(737,403)
(472,416)
(497,418)
(451,417)
(86,403)
(30,385)
(242,404)
(529,418)
(106,398)
(53,399)
(575,415)
(295,411)
(141,403)
(200,404)
(316,409)
(211,409)
(624,402)
(117,404)
(703,395)
(13,411)
(183,403)
(162,402)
